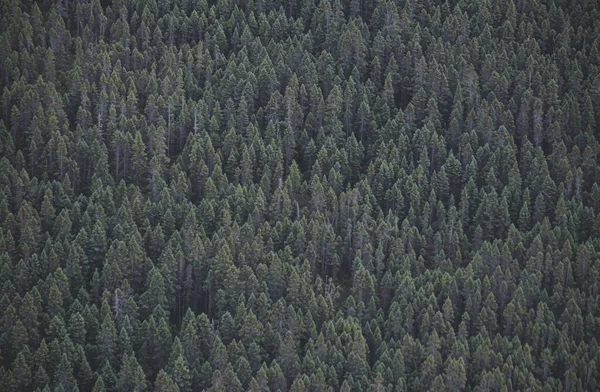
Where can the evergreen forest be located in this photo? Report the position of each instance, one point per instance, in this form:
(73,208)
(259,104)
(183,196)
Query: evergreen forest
(299,195)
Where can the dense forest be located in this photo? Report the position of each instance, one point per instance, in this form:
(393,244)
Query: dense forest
(287,195)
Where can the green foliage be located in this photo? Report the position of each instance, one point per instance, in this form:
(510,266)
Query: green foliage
(299,196)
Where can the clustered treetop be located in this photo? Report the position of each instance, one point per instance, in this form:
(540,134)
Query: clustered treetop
(315,195)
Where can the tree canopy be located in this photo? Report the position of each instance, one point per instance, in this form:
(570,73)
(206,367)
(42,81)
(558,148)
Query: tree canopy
(269,195)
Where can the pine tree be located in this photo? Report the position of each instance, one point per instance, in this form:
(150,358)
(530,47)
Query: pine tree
(21,372)
(131,376)
(107,341)
(164,383)
(181,374)
(155,292)
(99,385)
(63,375)
(288,357)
